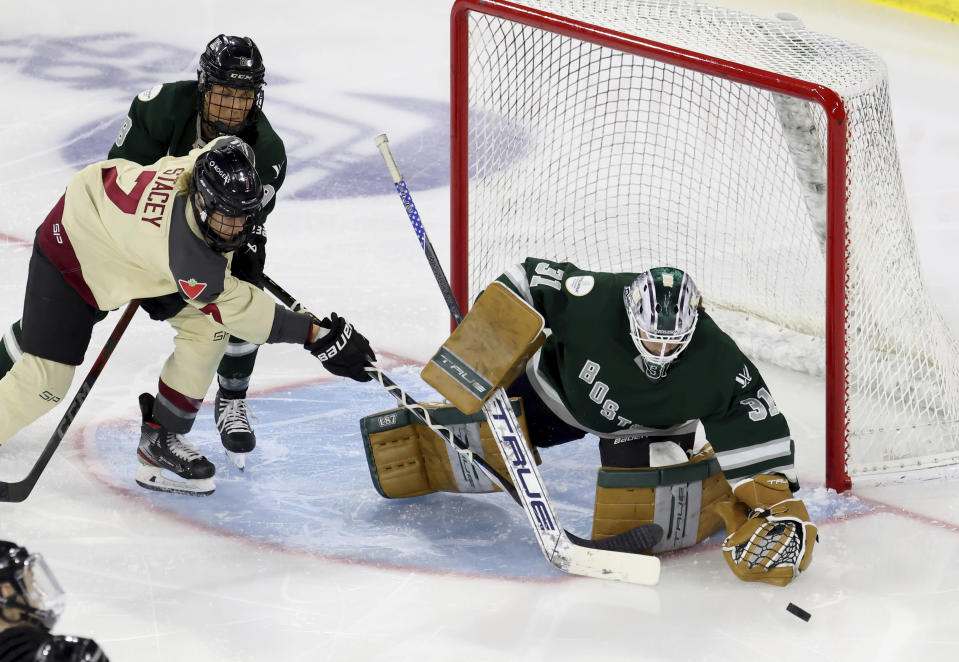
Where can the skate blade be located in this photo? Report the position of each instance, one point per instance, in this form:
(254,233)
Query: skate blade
(154,478)
(238,459)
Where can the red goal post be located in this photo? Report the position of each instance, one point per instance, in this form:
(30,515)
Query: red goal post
(591,115)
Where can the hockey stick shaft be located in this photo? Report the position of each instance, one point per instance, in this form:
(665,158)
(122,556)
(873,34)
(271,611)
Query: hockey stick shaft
(20,490)
(616,558)
(403,190)
(609,559)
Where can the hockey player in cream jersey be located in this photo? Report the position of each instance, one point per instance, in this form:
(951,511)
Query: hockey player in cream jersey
(123,232)
(226,98)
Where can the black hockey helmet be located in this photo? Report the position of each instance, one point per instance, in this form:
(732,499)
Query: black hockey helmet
(29,593)
(233,62)
(225,181)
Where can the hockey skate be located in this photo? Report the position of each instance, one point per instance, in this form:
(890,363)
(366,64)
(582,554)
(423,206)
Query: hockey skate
(236,434)
(168,462)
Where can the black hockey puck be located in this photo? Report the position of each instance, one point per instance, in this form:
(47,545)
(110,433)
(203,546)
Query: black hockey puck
(798,612)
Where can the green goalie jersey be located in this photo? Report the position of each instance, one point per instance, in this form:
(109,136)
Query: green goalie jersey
(590,374)
(163,121)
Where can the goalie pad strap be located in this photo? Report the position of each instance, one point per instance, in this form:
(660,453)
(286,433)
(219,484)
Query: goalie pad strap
(487,350)
(656,476)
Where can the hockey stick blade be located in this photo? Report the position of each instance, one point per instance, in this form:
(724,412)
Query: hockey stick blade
(20,490)
(634,541)
(605,564)
(618,559)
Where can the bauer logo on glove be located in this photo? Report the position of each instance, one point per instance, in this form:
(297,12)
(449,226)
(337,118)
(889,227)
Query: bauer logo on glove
(343,350)
(339,342)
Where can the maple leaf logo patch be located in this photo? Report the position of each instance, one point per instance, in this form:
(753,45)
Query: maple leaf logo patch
(191,287)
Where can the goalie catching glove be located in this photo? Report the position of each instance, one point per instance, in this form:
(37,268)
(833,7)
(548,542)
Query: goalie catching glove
(770,538)
(341,349)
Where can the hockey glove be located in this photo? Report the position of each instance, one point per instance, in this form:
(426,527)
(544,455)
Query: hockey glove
(770,538)
(342,349)
(248,260)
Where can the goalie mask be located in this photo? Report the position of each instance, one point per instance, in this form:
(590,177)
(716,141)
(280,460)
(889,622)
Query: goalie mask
(226,194)
(230,85)
(29,593)
(662,306)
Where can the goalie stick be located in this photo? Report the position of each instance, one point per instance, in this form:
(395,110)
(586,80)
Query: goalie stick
(384,146)
(622,559)
(20,490)
(595,551)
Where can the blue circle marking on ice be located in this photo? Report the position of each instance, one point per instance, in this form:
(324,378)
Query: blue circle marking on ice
(307,486)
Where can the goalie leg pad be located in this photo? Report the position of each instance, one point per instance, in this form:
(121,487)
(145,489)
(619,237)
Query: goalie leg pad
(679,497)
(487,350)
(407,459)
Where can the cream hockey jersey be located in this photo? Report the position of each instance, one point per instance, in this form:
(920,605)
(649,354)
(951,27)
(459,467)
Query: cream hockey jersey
(124,231)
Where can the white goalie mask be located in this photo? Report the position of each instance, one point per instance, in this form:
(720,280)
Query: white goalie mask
(662,306)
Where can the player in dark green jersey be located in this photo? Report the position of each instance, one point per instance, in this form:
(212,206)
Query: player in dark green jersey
(170,120)
(226,98)
(616,367)
(635,359)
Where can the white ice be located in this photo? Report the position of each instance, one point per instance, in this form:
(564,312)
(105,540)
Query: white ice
(154,577)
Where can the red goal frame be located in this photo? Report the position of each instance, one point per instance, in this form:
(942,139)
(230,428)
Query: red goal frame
(837,476)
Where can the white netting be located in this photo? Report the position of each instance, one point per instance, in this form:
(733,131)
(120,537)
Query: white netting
(613,161)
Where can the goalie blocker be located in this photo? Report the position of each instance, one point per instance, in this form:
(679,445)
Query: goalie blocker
(488,350)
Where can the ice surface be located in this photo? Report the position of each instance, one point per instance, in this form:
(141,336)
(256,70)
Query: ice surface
(298,558)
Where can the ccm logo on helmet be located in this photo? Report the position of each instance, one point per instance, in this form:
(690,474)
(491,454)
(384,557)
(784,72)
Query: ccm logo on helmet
(338,345)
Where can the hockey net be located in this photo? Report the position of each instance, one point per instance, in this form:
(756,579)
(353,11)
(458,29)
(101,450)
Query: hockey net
(755,154)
